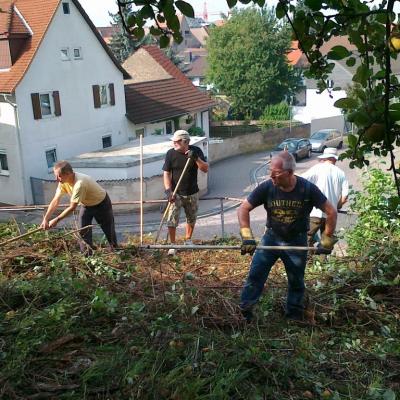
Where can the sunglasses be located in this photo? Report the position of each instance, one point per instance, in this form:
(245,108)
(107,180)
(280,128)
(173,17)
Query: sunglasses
(177,141)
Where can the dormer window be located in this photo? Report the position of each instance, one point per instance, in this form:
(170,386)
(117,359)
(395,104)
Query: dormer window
(65,8)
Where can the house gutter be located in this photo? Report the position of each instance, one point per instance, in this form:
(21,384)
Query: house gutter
(17,127)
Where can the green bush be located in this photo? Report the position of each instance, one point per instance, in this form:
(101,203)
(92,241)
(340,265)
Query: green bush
(276,112)
(195,131)
(378,209)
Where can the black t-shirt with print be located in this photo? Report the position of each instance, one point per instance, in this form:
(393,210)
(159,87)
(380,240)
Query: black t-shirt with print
(175,162)
(288,213)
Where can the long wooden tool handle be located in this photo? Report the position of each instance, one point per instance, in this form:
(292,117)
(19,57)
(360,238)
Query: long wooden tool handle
(173,195)
(20,236)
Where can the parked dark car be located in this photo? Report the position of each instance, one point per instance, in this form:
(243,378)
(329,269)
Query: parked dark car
(324,138)
(300,148)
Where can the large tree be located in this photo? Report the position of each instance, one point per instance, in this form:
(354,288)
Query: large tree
(374,42)
(247,61)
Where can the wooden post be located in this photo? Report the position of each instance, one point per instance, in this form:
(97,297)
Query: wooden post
(141,189)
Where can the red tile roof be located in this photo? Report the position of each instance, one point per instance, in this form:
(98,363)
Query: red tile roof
(38,14)
(159,100)
(165,98)
(166,63)
(198,67)
(294,54)
(5,16)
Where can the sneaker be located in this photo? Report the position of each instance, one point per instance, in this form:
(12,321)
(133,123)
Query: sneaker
(188,242)
(172,252)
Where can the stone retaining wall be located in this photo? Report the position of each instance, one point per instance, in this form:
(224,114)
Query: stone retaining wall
(254,142)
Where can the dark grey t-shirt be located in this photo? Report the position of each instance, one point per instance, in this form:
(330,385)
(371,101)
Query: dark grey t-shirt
(175,162)
(288,213)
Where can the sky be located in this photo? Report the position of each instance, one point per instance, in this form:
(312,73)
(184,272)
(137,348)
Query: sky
(98,9)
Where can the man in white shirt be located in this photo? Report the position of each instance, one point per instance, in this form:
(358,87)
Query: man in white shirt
(332,182)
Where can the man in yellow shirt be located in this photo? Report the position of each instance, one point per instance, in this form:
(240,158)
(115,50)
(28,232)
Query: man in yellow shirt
(93,199)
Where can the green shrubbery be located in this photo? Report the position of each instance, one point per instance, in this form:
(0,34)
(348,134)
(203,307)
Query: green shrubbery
(276,112)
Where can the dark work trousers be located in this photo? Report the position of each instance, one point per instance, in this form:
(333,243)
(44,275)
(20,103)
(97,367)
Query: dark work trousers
(103,214)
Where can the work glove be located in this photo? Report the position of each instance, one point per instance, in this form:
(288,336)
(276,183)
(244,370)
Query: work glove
(325,245)
(192,154)
(248,243)
(169,195)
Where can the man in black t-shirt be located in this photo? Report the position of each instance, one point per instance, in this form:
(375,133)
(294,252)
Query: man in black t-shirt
(187,195)
(288,200)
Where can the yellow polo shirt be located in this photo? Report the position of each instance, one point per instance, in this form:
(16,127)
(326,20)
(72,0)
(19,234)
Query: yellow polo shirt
(84,191)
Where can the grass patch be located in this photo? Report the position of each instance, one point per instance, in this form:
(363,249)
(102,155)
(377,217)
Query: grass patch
(141,325)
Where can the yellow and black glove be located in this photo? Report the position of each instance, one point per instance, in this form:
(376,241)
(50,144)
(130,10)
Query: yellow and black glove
(325,245)
(248,243)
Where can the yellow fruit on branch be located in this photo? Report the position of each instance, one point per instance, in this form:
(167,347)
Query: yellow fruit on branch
(394,42)
(375,133)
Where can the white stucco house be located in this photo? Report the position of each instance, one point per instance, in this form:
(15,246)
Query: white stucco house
(159,99)
(309,103)
(61,92)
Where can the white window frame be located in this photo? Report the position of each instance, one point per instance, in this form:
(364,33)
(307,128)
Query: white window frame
(4,172)
(80,53)
(105,137)
(52,108)
(64,57)
(47,150)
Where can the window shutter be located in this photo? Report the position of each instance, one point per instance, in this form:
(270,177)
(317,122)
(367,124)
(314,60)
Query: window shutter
(112,94)
(96,96)
(57,105)
(37,113)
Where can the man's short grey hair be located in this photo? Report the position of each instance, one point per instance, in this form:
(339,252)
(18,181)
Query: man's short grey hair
(288,161)
(64,166)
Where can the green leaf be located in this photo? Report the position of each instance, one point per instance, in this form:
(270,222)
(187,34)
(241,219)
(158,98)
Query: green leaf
(362,75)
(361,118)
(155,31)
(395,106)
(173,23)
(352,140)
(185,8)
(315,5)
(393,203)
(164,41)
(146,12)
(138,33)
(280,11)
(338,53)
(231,3)
(346,103)
(380,74)
(131,20)
(178,37)
(394,115)
(350,62)
(260,2)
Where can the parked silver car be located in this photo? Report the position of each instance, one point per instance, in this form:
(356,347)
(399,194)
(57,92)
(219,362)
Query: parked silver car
(324,138)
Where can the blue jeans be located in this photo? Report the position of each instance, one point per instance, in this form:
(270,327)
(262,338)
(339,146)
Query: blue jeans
(263,260)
